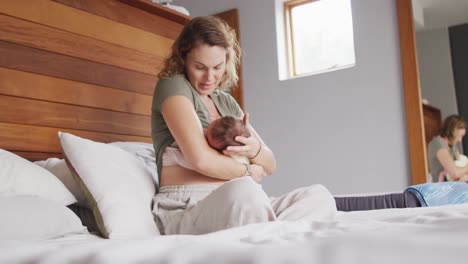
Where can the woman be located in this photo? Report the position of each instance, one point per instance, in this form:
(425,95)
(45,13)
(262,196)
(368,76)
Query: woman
(442,151)
(189,95)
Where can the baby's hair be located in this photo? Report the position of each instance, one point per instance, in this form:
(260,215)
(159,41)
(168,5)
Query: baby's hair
(226,129)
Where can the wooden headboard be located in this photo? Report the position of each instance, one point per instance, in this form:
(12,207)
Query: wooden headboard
(432,122)
(83,66)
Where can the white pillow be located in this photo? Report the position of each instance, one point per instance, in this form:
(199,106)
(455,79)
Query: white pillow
(143,151)
(34,218)
(19,176)
(116,184)
(59,168)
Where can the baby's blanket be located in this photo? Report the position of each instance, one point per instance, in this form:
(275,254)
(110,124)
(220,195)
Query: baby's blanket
(440,193)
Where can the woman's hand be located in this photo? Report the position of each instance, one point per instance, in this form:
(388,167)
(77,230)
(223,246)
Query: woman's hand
(254,149)
(249,149)
(251,145)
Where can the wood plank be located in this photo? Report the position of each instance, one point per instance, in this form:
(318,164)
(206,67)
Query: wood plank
(46,38)
(35,156)
(35,86)
(73,20)
(17,137)
(413,105)
(18,57)
(33,112)
(129,15)
(159,10)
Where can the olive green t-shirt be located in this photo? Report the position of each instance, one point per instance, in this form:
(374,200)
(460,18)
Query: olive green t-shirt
(435,167)
(179,85)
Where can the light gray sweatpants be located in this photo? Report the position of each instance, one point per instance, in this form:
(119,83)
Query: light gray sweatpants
(205,208)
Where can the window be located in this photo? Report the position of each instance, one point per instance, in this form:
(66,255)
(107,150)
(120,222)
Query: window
(319,36)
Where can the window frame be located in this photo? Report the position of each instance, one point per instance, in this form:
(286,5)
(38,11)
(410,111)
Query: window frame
(290,70)
(291,58)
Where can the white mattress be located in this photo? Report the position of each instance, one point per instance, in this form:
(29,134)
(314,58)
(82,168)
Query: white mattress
(412,235)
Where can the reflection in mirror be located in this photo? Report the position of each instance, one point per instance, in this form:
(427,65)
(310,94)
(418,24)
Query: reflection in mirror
(441,30)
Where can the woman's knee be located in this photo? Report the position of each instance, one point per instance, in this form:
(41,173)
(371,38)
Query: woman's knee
(246,197)
(242,190)
(235,203)
(319,194)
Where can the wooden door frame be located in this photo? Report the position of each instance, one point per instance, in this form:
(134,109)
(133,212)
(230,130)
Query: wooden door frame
(232,19)
(412,93)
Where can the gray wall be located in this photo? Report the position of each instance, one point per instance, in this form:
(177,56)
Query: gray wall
(435,70)
(344,129)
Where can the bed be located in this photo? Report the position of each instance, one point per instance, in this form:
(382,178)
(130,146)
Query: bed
(76,80)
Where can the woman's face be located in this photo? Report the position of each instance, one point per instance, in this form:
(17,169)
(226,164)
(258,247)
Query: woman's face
(205,66)
(458,134)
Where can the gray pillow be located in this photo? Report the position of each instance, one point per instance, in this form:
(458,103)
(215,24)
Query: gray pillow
(27,217)
(145,153)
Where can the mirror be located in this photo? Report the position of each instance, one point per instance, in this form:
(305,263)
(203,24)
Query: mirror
(439,26)
(410,72)
(413,102)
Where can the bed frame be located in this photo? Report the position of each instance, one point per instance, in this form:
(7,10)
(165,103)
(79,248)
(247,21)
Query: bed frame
(82,66)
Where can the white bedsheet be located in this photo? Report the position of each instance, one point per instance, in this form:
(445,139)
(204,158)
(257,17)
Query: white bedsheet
(413,235)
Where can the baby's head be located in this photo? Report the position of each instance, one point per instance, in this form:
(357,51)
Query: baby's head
(223,131)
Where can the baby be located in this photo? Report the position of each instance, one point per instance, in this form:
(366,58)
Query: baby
(462,161)
(220,134)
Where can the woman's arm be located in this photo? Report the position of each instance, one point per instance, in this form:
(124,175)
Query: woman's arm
(255,149)
(185,127)
(448,164)
(457,154)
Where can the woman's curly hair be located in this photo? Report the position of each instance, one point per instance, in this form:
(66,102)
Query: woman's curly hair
(208,30)
(450,124)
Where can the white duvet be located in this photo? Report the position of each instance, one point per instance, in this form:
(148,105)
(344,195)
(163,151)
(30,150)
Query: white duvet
(413,235)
